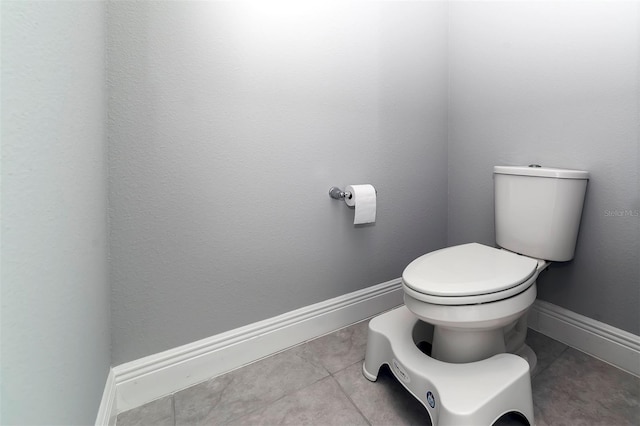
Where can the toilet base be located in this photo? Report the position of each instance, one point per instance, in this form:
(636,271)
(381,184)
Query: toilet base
(475,393)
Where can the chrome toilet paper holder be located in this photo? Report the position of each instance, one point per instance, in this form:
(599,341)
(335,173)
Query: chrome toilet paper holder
(339,194)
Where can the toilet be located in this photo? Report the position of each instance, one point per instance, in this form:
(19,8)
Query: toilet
(463,324)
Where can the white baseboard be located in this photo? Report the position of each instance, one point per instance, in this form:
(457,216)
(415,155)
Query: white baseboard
(135,383)
(149,378)
(107,410)
(612,345)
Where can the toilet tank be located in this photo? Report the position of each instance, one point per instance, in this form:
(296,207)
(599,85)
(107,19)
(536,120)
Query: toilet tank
(538,210)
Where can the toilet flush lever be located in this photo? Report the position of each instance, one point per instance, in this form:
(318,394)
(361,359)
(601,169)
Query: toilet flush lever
(338,193)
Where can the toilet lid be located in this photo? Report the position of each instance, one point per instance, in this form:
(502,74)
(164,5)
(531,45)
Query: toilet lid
(467,270)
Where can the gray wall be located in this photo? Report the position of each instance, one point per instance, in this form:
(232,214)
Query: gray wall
(554,84)
(229,122)
(55,293)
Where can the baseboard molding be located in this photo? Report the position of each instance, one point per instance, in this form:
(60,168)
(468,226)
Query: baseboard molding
(135,383)
(161,374)
(107,410)
(612,345)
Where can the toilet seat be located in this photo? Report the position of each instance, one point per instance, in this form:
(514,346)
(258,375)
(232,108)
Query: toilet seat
(468,274)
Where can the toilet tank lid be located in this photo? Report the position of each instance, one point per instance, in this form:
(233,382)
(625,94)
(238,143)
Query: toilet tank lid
(541,172)
(467,270)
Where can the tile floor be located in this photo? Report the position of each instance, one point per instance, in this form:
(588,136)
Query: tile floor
(320,383)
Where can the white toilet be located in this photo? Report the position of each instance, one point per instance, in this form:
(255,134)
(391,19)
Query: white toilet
(470,302)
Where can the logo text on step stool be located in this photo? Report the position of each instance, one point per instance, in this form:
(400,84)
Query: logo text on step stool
(400,371)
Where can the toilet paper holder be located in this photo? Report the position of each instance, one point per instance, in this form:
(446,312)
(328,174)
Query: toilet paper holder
(339,194)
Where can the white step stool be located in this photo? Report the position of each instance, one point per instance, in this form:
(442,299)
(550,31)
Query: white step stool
(475,394)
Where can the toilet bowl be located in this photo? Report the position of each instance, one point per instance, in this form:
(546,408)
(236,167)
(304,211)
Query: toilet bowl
(472,294)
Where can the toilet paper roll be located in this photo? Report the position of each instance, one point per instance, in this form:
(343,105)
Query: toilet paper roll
(363,197)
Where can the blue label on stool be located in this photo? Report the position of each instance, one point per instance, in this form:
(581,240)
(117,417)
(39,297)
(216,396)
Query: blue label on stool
(431,399)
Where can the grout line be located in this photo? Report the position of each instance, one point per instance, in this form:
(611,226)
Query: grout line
(285,395)
(270,403)
(348,366)
(550,364)
(344,392)
(173,405)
